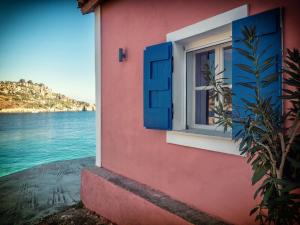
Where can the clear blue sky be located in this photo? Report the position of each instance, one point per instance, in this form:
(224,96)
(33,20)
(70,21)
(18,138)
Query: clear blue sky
(50,42)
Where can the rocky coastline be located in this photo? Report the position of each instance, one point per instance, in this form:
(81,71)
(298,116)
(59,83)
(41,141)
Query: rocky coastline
(29,97)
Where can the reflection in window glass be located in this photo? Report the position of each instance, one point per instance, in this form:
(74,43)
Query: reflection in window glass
(204,105)
(200,101)
(228,101)
(202,59)
(227,64)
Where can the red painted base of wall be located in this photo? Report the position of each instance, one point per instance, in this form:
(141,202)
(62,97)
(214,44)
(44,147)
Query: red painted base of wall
(121,206)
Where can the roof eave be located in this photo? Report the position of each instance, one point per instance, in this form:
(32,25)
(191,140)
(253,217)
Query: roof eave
(88,6)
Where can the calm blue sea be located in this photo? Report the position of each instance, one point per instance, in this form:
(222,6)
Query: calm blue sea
(30,139)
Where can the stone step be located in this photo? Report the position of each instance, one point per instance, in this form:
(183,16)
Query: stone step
(125,201)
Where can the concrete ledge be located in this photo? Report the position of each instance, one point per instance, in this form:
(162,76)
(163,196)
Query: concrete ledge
(127,202)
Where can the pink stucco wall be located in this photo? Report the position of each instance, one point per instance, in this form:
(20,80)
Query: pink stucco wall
(216,183)
(122,206)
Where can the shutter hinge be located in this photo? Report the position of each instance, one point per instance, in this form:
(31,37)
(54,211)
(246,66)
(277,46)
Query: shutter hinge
(172,110)
(172,64)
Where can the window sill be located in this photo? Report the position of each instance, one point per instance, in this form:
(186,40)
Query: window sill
(210,140)
(209,132)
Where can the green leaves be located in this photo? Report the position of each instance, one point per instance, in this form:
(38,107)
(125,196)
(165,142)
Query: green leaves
(292,94)
(262,136)
(246,68)
(220,94)
(253,210)
(263,52)
(249,34)
(246,54)
(247,85)
(269,79)
(258,174)
(268,193)
(269,62)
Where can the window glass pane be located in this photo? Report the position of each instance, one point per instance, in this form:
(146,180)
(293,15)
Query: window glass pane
(202,59)
(228,102)
(227,64)
(200,103)
(203,107)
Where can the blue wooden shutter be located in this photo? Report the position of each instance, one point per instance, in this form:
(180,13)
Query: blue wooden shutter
(158,86)
(268,29)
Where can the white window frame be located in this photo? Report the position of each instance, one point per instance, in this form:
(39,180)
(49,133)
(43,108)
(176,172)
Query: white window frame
(212,31)
(219,62)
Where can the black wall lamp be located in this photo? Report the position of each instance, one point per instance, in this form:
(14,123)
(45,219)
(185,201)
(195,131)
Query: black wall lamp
(122,54)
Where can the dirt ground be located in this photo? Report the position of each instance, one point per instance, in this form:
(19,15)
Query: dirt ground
(75,215)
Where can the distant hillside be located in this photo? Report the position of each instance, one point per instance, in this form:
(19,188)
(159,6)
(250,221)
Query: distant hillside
(27,96)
